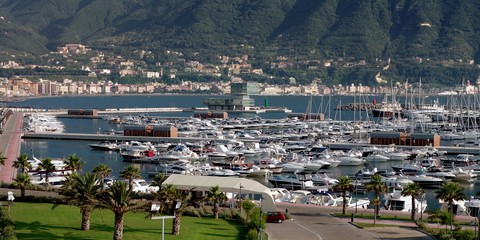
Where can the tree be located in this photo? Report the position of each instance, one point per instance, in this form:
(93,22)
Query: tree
(130,172)
(414,190)
(449,192)
(22,163)
(158,180)
(102,171)
(23,182)
(2,159)
(377,186)
(182,197)
(216,197)
(6,225)
(118,198)
(73,162)
(81,191)
(46,165)
(344,184)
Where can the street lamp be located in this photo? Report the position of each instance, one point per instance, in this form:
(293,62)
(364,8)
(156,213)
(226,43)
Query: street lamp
(422,198)
(240,198)
(260,230)
(356,195)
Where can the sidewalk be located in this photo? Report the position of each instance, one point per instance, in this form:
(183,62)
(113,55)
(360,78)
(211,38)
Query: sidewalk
(10,146)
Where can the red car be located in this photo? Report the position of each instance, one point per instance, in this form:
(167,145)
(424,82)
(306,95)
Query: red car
(275,217)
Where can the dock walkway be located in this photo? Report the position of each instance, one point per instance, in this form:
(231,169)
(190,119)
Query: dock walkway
(10,146)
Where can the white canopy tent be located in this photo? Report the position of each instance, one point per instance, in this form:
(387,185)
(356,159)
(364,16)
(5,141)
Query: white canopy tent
(226,184)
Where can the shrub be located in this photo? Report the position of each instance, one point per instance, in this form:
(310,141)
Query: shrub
(252,234)
(464,235)
(421,225)
(191,211)
(207,210)
(446,236)
(6,226)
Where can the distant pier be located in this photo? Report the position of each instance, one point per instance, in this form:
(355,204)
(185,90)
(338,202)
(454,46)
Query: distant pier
(357,107)
(110,111)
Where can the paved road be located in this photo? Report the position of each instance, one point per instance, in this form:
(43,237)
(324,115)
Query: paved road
(315,222)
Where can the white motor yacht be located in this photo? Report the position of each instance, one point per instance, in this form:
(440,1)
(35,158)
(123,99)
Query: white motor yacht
(105,145)
(396,201)
(350,161)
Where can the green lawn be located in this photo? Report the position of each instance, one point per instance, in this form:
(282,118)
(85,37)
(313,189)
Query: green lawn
(369,225)
(370,216)
(39,221)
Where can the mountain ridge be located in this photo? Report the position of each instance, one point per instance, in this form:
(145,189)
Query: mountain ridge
(303,29)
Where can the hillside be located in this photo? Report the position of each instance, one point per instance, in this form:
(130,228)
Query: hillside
(369,29)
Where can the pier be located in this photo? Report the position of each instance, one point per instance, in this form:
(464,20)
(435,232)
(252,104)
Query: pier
(120,138)
(112,111)
(448,149)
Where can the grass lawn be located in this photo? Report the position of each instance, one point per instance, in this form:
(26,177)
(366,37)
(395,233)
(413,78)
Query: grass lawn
(370,216)
(369,225)
(39,221)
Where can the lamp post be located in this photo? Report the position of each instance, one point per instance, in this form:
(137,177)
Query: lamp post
(260,221)
(240,198)
(356,196)
(422,198)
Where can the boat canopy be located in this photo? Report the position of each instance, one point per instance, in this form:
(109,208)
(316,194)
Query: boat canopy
(226,184)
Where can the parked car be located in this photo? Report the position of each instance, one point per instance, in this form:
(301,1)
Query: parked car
(275,217)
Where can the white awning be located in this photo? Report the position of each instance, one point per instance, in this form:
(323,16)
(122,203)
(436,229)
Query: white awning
(226,184)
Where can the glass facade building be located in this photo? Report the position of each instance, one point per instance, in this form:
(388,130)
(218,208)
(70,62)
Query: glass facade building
(239,100)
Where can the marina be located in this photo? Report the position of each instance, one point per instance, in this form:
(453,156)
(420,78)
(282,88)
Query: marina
(265,141)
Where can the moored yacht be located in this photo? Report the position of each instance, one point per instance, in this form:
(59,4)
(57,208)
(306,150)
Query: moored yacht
(396,201)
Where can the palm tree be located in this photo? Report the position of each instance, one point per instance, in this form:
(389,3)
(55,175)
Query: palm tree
(377,186)
(182,197)
(23,182)
(130,172)
(414,190)
(158,180)
(102,171)
(344,184)
(2,158)
(73,162)
(118,198)
(46,165)
(216,197)
(81,191)
(22,163)
(450,192)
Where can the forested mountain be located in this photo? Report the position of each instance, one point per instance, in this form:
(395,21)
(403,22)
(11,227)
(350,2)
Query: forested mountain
(366,29)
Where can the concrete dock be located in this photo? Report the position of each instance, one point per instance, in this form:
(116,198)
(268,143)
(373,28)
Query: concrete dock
(10,146)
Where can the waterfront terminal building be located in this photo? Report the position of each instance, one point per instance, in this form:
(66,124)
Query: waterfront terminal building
(239,99)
